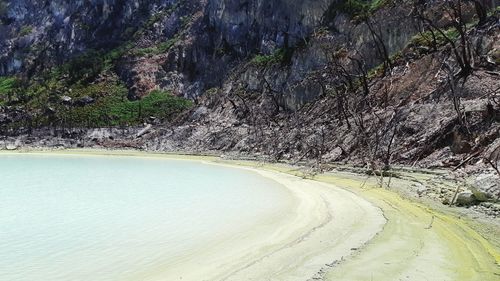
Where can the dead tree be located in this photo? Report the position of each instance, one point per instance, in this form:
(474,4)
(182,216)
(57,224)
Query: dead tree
(455,96)
(461,48)
(378,40)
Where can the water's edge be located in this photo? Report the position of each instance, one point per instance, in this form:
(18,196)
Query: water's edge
(456,255)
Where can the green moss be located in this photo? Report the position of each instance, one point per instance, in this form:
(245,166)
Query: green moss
(186,20)
(354,7)
(379,70)
(156,17)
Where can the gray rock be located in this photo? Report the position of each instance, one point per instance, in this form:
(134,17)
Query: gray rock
(11,147)
(66,99)
(84,101)
(466,198)
(144,131)
(199,113)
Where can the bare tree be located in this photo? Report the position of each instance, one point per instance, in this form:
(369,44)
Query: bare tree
(378,40)
(461,48)
(454,89)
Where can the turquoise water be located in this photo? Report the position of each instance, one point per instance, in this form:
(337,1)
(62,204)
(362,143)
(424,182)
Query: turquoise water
(97,218)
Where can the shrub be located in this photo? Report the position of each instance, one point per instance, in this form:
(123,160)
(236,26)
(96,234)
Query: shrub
(265,60)
(7,84)
(7,87)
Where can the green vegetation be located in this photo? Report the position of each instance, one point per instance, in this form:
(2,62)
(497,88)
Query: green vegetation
(279,56)
(83,68)
(87,92)
(108,106)
(115,109)
(359,9)
(157,17)
(7,87)
(155,50)
(89,101)
(25,30)
(7,84)
(212,92)
(378,4)
(380,69)
(377,71)
(428,39)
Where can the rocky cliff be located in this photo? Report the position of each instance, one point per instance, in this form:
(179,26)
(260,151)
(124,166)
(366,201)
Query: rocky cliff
(371,83)
(42,33)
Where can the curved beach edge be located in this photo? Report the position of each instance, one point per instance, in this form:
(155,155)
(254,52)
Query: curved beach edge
(339,228)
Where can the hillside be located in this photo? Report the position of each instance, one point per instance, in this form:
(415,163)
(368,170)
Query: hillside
(372,84)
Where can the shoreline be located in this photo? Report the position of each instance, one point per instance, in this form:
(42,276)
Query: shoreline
(432,244)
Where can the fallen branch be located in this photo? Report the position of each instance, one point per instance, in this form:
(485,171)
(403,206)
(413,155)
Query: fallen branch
(430,224)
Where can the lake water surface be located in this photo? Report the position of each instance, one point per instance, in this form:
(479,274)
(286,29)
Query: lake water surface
(73,218)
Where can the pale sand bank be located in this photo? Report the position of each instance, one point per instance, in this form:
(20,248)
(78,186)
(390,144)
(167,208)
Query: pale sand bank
(374,233)
(323,225)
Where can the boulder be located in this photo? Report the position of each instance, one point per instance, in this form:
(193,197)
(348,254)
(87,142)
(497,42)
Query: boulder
(83,101)
(11,147)
(466,198)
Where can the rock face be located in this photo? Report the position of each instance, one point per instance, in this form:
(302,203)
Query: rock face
(38,33)
(262,26)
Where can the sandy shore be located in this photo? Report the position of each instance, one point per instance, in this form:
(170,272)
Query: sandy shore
(336,230)
(324,225)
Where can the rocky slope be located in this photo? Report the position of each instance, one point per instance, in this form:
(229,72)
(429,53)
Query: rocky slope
(371,83)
